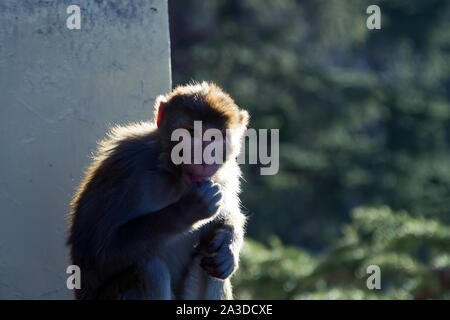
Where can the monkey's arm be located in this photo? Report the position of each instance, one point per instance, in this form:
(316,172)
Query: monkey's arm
(144,235)
(141,235)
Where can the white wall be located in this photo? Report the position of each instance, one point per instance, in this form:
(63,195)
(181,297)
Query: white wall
(59,91)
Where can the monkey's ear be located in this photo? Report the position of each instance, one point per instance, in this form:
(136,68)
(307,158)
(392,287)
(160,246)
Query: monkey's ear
(160,108)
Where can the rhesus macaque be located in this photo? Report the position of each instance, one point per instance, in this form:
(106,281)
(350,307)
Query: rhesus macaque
(143,227)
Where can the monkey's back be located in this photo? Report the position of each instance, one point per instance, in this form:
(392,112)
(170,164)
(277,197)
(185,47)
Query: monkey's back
(107,186)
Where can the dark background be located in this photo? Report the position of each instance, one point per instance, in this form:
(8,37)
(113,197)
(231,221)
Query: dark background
(364,119)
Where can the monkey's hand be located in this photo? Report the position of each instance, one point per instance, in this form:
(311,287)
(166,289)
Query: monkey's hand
(221,259)
(202,201)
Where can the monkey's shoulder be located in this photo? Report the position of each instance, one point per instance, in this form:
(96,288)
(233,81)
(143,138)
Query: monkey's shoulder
(132,146)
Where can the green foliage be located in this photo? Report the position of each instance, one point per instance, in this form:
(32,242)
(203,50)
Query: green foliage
(271,273)
(364,115)
(412,253)
(364,119)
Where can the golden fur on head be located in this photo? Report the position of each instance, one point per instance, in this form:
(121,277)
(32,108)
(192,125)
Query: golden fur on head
(201,101)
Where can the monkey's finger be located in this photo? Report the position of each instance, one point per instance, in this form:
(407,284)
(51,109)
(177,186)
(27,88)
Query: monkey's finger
(223,259)
(213,260)
(219,258)
(215,203)
(222,271)
(226,271)
(203,186)
(208,267)
(214,190)
(224,254)
(222,238)
(216,198)
(209,194)
(208,262)
(212,271)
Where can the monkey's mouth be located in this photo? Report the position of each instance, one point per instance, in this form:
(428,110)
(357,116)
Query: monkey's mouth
(198,179)
(191,178)
(198,173)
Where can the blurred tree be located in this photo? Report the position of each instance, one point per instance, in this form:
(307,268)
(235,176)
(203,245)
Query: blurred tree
(412,254)
(364,115)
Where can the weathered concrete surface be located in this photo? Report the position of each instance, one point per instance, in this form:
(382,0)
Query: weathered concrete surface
(59,91)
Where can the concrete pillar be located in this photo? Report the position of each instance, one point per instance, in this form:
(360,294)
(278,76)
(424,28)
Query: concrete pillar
(60,89)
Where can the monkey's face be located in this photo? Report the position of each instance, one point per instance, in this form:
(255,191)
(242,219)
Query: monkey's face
(186,107)
(208,153)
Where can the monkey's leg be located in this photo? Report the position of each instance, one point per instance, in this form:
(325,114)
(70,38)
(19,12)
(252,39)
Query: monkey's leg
(194,283)
(217,289)
(157,280)
(199,285)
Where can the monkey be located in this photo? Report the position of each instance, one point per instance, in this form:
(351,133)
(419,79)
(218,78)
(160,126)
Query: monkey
(143,227)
